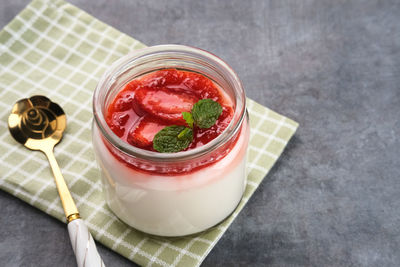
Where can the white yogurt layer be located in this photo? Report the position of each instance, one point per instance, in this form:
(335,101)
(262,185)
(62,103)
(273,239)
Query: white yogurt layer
(173,206)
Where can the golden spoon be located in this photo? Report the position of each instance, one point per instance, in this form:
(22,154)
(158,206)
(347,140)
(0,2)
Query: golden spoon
(38,124)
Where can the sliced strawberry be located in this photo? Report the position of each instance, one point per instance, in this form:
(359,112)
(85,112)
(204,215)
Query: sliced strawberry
(123,101)
(165,103)
(162,78)
(117,121)
(143,132)
(133,85)
(201,85)
(117,129)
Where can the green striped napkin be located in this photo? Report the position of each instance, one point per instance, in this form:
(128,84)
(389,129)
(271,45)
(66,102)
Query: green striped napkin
(53,48)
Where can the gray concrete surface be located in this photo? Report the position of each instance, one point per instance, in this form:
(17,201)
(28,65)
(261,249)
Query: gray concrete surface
(333,198)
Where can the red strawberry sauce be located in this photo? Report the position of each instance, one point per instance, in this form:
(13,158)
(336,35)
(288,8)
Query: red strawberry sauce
(156,100)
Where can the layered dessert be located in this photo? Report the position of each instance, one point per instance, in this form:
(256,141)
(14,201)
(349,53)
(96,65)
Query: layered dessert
(183,177)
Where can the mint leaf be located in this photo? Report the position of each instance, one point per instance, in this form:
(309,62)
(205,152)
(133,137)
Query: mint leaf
(187,116)
(206,112)
(173,139)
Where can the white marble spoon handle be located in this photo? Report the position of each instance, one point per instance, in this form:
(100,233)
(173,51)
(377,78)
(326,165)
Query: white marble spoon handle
(83,244)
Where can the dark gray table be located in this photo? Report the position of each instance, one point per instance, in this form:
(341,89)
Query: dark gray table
(333,198)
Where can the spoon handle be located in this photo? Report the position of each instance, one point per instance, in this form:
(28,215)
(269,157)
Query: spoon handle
(82,241)
(84,247)
(65,196)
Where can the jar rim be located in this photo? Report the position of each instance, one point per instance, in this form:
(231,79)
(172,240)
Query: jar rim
(118,67)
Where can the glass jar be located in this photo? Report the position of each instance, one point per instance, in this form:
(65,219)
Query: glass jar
(171,194)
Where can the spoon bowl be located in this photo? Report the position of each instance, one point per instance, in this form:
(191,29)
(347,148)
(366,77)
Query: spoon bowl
(37,123)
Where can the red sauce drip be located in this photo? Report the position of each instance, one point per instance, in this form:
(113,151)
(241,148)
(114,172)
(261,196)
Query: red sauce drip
(154,101)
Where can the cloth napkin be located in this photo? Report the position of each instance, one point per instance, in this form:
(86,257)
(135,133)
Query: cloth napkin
(55,49)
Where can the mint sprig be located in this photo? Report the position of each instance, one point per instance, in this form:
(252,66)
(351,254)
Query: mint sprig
(173,139)
(187,116)
(206,112)
(177,138)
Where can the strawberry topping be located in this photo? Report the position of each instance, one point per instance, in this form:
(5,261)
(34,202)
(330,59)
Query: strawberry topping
(156,100)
